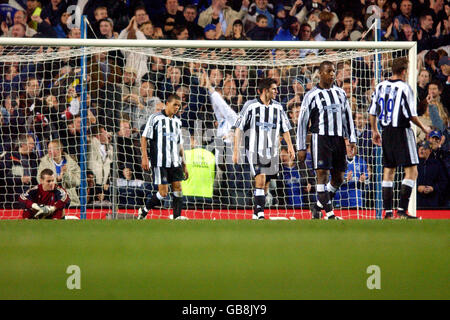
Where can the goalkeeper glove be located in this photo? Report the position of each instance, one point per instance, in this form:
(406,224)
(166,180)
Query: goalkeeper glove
(42,211)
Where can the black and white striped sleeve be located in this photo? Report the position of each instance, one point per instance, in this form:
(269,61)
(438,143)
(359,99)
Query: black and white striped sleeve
(410,102)
(348,121)
(374,108)
(303,120)
(148,130)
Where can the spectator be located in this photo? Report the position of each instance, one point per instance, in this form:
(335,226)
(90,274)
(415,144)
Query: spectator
(338,33)
(363,136)
(305,34)
(280,16)
(219,12)
(100,157)
(131,190)
(406,33)
(134,60)
(9,80)
(423,79)
(44,28)
(180,33)
(433,98)
(211,32)
(106,29)
(431,60)
(291,184)
(74,33)
(19,17)
(322,31)
(172,18)
(261,31)
(127,152)
(237,32)
(18,30)
(245,83)
(438,13)
(142,105)
(190,16)
(259,7)
(34,8)
(426,39)
(53,11)
(19,168)
(351,193)
(406,17)
(32,95)
(61,29)
(289,31)
(94,192)
(445,68)
(150,31)
(71,138)
(350,23)
(442,154)
(14,120)
(296,92)
(67,171)
(431,181)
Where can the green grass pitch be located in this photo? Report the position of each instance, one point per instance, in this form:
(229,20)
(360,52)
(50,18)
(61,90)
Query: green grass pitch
(281,260)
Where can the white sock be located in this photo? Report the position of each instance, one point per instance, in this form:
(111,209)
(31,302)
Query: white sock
(329,214)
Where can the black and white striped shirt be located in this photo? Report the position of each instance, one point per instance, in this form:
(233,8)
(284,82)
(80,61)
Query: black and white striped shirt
(165,140)
(393,103)
(327,112)
(261,126)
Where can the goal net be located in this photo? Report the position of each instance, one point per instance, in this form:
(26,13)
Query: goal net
(80,110)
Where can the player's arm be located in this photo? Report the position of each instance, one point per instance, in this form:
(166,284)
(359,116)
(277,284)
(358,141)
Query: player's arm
(412,111)
(237,143)
(144,161)
(183,162)
(417,122)
(376,137)
(287,138)
(374,111)
(26,199)
(351,127)
(148,132)
(286,129)
(302,130)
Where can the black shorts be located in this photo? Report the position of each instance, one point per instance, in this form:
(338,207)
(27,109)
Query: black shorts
(328,152)
(162,175)
(399,147)
(271,170)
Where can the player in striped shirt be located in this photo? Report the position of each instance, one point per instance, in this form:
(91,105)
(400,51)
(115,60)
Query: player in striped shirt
(394,107)
(260,122)
(46,200)
(326,112)
(163,130)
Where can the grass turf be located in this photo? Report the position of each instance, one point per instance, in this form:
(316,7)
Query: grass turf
(161,259)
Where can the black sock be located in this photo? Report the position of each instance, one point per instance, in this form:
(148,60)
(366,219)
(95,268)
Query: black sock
(388,198)
(405,194)
(152,202)
(260,201)
(324,199)
(177,206)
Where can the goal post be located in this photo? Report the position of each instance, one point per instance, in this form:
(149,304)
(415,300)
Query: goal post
(117,109)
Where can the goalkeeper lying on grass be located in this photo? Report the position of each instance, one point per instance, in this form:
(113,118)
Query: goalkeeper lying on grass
(45,201)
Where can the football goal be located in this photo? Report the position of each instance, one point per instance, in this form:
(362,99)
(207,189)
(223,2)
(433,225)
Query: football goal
(79,107)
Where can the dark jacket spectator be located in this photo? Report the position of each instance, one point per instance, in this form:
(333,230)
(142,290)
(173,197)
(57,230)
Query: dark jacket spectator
(431,182)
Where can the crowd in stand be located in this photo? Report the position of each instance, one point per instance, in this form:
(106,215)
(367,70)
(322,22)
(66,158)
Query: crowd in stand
(41,123)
